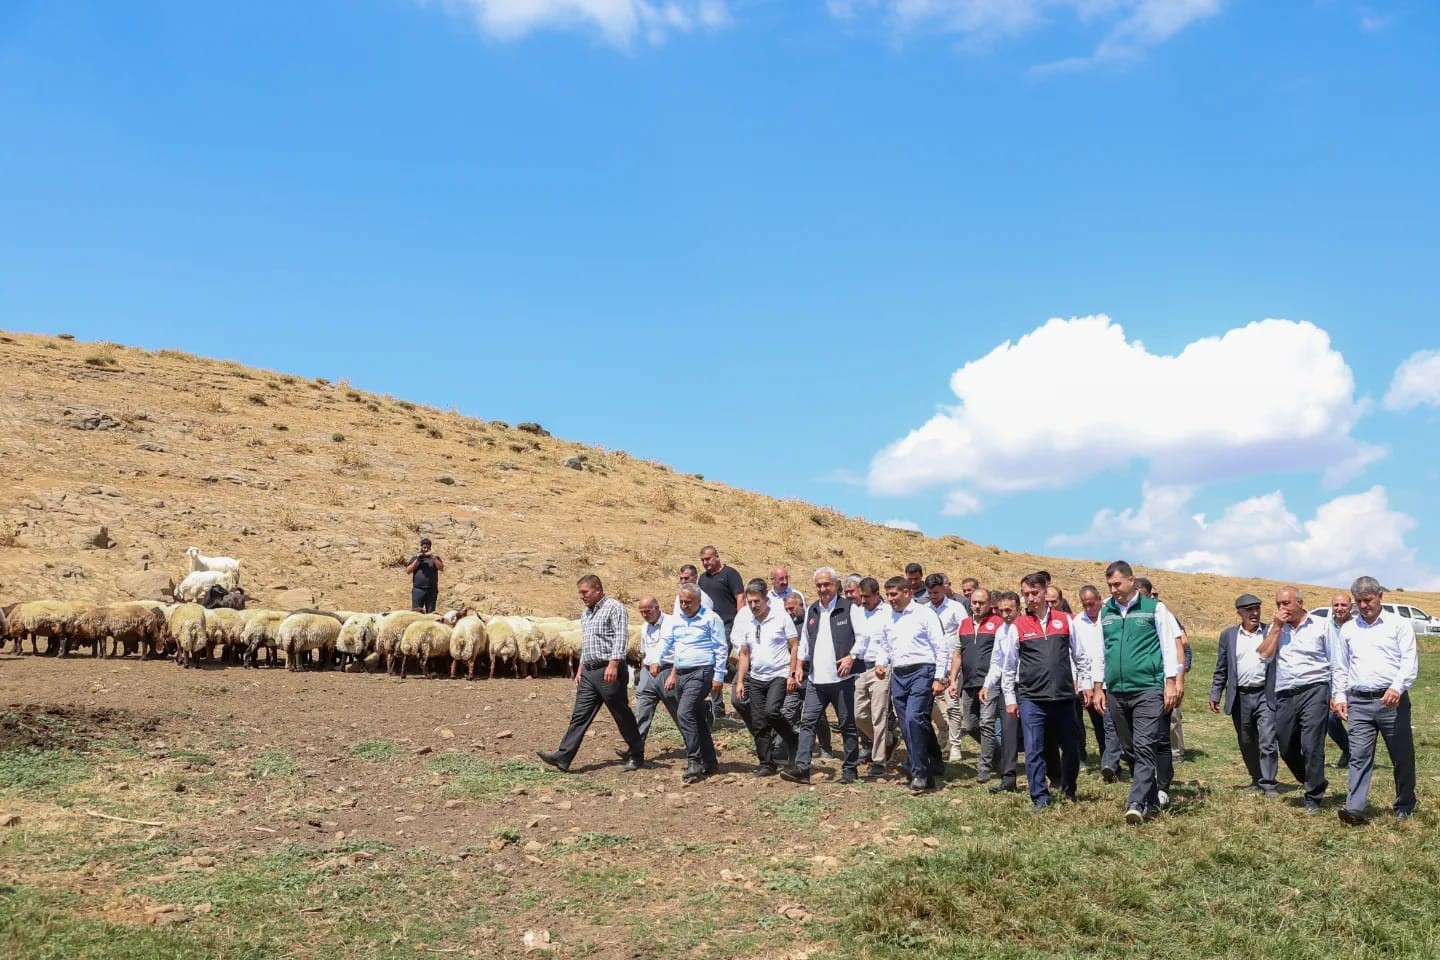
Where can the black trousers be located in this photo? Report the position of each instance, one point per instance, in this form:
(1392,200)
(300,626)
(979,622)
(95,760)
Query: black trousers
(795,709)
(842,697)
(1302,717)
(763,713)
(590,693)
(694,686)
(1140,722)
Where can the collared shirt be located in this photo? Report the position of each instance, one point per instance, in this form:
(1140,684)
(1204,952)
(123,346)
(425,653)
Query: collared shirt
(1303,656)
(778,599)
(696,641)
(1167,629)
(1092,638)
(913,636)
(1375,656)
(769,644)
(1004,660)
(1038,629)
(1249,665)
(604,631)
(652,638)
(868,626)
(951,614)
(823,668)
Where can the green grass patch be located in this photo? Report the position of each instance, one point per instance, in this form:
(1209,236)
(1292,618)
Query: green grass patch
(274,763)
(196,757)
(32,771)
(800,809)
(474,778)
(373,751)
(598,841)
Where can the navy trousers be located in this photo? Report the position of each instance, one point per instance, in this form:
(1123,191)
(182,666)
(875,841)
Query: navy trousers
(1050,726)
(913,696)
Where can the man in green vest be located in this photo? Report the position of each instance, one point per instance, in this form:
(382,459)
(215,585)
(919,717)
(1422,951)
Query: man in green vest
(1140,665)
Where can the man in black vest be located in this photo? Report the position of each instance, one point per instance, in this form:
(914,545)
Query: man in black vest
(828,680)
(1248,683)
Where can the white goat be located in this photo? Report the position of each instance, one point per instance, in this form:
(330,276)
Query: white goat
(200,564)
(192,589)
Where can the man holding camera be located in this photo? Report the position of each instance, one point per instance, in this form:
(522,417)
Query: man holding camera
(424,571)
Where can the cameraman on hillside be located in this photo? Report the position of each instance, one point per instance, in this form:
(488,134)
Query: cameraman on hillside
(425,578)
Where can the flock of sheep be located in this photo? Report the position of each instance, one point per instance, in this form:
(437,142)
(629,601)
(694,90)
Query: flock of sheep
(209,621)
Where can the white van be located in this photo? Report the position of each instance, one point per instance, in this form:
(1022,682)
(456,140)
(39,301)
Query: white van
(1424,624)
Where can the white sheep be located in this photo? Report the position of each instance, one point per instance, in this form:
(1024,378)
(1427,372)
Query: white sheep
(262,629)
(392,629)
(226,628)
(300,633)
(357,637)
(187,629)
(195,585)
(513,638)
(467,642)
(424,640)
(201,564)
(129,625)
(52,619)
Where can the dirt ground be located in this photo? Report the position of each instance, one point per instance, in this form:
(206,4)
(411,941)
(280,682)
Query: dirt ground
(193,749)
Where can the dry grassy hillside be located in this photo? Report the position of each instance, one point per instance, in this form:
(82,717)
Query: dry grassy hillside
(319,486)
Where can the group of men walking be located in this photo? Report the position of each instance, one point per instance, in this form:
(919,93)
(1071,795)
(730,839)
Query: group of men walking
(1009,670)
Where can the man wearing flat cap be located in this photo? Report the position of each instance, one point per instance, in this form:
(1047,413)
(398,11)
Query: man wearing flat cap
(1247,681)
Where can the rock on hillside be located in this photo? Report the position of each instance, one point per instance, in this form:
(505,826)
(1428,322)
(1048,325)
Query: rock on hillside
(313,486)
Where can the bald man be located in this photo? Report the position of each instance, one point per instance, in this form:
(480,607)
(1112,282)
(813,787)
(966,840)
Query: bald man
(780,587)
(1300,645)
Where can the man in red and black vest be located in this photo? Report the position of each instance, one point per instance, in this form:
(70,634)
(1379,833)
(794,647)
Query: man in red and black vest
(1042,673)
(968,667)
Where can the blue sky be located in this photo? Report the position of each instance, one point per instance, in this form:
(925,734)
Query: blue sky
(756,240)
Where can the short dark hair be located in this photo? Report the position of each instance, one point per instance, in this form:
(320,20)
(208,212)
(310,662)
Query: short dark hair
(971,580)
(1120,567)
(1035,580)
(869,584)
(590,580)
(1089,588)
(935,580)
(1144,584)
(758,588)
(1044,575)
(1010,595)
(913,568)
(898,583)
(689,568)
(424,541)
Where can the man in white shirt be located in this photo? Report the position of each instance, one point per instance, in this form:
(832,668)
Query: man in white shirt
(830,635)
(769,660)
(1007,605)
(1086,624)
(912,654)
(948,717)
(650,689)
(780,587)
(1341,610)
(1300,645)
(1247,682)
(1376,664)
(872,692)
(689,574)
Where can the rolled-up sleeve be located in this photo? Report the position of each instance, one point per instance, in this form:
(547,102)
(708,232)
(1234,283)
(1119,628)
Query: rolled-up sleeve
(620,645)
(720,647)
(1168,630)
(1409,659)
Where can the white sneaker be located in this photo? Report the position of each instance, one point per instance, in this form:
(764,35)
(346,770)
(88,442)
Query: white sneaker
(956,756)
(1134,816)
(1164,799)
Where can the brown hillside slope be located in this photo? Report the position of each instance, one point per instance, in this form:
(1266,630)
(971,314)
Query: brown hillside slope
(318,486)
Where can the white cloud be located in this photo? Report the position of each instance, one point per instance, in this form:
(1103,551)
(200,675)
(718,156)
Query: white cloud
(910,525)
(1372,22)
(960,503)
(1130,26)
(1076,397)
(1349,536)
(1416,382)
(618,22)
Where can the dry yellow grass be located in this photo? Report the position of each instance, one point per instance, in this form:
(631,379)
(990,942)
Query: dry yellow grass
(193,458)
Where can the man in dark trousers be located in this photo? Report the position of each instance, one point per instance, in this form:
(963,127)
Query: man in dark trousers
(1247,681)
(830,635)
(1139,663)
(602,678)
(1043,674)
(912,655)
(1340,613)
(1300,646)
(769,660)
(424,573)
(722,586)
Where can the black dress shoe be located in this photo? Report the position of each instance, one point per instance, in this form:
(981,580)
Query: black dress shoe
(1107,774)
(1343,762)
(554,759)
(622,753)
(922,785)
(1403,815)
(693,774)
(1354,818)
(631,764)
(1004,788)
(876,771)
(765,770)
(848,776)
(792,775)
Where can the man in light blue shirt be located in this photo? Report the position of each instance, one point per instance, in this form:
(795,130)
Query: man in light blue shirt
(1376,663)
(1300,645)
(695,644)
